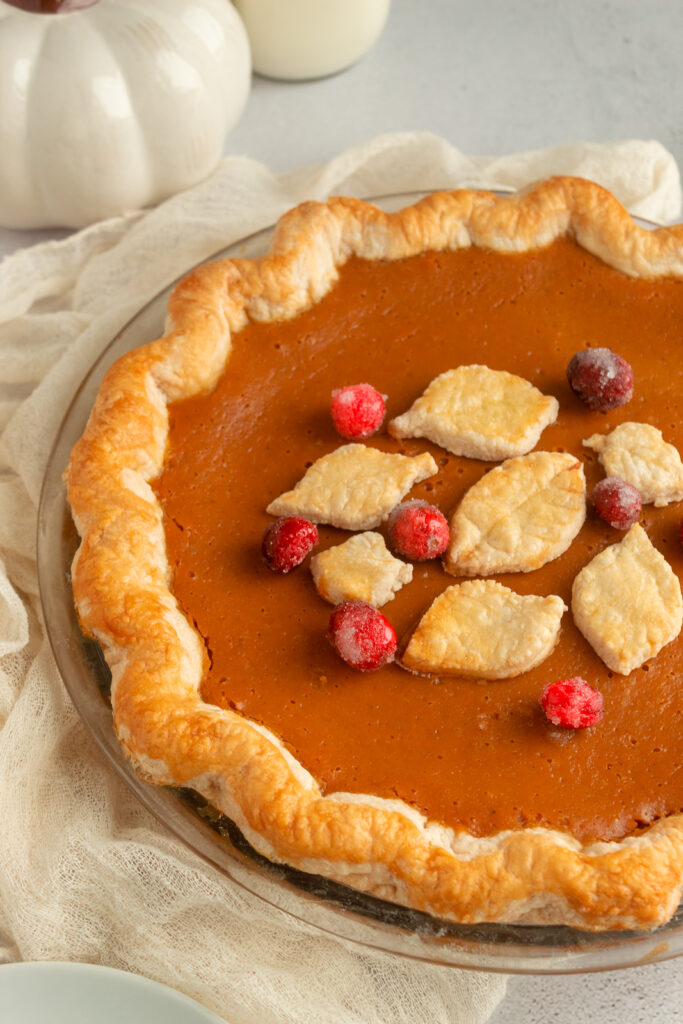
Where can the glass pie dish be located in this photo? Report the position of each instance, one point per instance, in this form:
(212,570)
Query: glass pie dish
(327,905)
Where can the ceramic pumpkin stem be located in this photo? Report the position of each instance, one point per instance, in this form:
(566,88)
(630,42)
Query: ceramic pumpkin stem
(51,6)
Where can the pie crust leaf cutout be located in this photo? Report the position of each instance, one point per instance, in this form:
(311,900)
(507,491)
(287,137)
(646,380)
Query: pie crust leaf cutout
(638,453)
(478,412)
(519,516)
(482,629)
(360,569)
(354,487)
(627,602)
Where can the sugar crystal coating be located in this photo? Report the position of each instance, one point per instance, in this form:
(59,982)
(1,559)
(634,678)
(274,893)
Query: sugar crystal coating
(601,378)
(418,531)
(572,703)
(287,541)
(362,636)
(357,410)
(617,502)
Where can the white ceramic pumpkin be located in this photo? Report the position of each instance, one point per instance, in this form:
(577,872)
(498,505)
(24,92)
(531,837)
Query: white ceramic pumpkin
(114,106)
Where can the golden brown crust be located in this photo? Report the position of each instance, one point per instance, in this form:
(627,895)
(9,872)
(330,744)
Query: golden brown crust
(121,584)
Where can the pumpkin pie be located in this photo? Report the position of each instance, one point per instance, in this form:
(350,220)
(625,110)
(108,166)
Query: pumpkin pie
(418,782)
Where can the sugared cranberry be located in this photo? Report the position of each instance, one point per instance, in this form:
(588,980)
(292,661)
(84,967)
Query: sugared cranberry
(362,636)
(617,502)
(572,703)
(287,541)
(418,531)
(357,410)
(601,378)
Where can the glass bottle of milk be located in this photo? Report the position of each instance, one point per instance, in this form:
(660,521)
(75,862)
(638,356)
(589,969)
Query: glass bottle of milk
(299,39)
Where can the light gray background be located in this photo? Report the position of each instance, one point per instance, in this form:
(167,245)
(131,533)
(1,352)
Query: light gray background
(496,76)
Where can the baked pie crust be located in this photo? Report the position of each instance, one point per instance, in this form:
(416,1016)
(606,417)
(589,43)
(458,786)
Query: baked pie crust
(121,583)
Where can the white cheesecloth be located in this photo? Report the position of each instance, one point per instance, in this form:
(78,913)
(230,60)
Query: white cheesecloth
(86,873)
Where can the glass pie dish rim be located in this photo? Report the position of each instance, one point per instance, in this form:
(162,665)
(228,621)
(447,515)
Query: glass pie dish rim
(329,906)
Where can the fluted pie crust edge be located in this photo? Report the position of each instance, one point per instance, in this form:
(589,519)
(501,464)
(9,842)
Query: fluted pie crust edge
(121,584)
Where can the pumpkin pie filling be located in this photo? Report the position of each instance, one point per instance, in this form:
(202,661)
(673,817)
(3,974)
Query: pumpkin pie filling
(474,755)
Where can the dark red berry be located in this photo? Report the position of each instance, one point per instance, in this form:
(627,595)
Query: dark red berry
(287,541)
(572,703)
(357,410)
(362,636)
(418,531)
(617,502)
(601,378)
